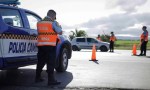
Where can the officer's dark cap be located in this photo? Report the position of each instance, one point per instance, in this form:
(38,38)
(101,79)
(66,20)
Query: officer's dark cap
(51,13)
(112,32)
(144,27)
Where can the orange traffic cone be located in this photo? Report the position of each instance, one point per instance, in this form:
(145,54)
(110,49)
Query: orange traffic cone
(93,58)
(134,49)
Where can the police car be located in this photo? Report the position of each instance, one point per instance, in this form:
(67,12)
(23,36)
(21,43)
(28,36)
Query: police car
(18,38)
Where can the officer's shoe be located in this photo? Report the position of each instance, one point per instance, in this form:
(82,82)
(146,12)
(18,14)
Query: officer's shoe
(140,55)
(144,54)
(54,83)
(39,79)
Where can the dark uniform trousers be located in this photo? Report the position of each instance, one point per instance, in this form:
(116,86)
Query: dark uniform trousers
(46,55)
(143,47)
(111,46)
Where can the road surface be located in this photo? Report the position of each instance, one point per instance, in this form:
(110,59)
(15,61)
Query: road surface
(112,71)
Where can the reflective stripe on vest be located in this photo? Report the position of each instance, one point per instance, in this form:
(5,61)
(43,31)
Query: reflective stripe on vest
(46,34)
(46,43)
(142,37)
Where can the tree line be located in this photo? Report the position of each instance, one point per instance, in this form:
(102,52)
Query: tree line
(82,33)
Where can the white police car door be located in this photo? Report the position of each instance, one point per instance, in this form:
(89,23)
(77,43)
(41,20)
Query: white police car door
(15,37)
(32,21)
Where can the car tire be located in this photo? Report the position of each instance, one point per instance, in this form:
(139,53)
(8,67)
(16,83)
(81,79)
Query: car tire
(63,61)
(79,49)
(103,49)
(75,48)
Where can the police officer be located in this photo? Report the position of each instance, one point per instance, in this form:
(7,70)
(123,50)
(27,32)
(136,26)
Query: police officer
(144,41)
(48,30)
(112,40)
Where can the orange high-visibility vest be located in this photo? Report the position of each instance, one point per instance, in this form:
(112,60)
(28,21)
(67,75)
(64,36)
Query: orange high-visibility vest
(46,35)
(142,37)
(112,38)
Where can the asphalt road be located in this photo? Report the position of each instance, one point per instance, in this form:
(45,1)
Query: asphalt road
(112,71)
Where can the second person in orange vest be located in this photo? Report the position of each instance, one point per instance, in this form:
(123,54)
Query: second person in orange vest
(99,38)
(48,30)
(144,41)
(112,40)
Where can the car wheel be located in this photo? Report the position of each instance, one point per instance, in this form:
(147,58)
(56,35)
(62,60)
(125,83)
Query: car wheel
(79,49)
(75,48)
(103,49)
(63,61)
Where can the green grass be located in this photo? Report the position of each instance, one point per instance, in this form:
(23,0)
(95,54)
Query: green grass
(128,44)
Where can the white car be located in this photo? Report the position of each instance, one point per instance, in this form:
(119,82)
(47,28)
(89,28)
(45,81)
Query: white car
(79,43)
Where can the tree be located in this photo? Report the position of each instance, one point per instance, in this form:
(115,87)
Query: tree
(105,38)
(77,33)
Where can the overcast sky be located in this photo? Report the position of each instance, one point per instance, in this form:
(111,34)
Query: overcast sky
(123,17)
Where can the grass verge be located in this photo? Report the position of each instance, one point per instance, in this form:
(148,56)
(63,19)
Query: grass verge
(128,44)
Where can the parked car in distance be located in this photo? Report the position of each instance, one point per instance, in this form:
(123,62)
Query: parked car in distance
(79,43)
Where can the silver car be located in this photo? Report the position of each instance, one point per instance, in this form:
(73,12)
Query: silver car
(79,43)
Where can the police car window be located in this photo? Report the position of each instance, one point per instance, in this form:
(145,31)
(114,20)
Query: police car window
(11,17)
(80,39)
(32,20)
